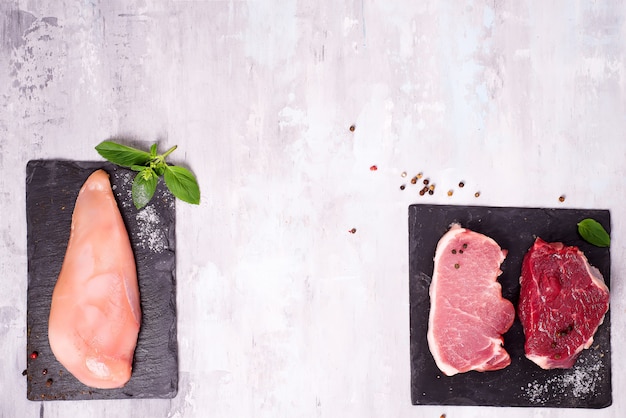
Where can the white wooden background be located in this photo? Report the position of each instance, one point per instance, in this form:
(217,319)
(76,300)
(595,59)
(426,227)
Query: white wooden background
(282,311)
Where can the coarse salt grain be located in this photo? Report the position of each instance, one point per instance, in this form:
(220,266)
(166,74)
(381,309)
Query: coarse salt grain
(126,180)
(150,234)
(579,381)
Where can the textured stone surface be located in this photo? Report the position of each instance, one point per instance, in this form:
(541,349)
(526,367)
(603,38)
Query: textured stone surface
(51,190)
(281,311)
(522,383)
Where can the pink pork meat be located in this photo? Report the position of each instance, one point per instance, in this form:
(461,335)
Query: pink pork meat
(563,301)
(468,314)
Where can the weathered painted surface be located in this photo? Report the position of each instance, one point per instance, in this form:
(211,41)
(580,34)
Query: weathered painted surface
(283,311)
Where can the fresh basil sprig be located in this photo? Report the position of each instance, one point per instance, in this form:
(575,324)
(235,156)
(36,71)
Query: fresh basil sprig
(150,166)
(594,233)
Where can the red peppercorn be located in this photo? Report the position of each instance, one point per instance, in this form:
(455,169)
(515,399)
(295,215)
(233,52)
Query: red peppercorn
(34,355)
(373,168)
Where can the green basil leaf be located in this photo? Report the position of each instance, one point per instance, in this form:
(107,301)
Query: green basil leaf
(144,185)
(137,167)
(153,150)
(159,167)
(121,154)
(182,183)
(594,233)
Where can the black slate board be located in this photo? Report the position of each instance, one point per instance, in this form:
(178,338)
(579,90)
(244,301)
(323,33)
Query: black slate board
(51,190)
(586,385)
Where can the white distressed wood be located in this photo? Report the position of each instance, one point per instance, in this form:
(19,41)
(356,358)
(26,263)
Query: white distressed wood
(283,312)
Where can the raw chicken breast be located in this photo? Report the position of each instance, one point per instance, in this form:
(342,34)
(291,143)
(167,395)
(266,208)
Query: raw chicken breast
(95,314)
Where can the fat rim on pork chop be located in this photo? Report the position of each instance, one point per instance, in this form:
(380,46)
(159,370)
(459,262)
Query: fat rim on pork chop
(468,314)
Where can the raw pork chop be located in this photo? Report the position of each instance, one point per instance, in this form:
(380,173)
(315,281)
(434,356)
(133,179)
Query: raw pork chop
(468,314)
(562,302)
(95,312)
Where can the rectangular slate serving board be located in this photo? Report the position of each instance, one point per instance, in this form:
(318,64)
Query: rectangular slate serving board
(522,383)
(51,190)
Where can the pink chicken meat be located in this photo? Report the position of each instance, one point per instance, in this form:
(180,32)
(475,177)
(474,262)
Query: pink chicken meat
(95,313)
(468,314)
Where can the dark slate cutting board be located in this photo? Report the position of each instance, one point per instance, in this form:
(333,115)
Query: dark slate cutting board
(51,190)
(586,385)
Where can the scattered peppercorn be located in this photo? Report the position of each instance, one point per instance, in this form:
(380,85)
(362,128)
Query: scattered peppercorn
(352,231)
(352,128)
(44,372)
(48,382)
(420,175)
(426,181)
(431,192)
(465,245)
(403,174)
(431,187)
(461,184)
(562,198)
(456,266)
(414,180)
(402,187)
(450,192)
(24,372)
(34,355)
(373,168)
(460,251)
(476,194)
(453,251)
(557,356)
(422,192)
(553,345)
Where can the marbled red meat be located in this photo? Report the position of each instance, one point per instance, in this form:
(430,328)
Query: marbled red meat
(563,301)
(468,314)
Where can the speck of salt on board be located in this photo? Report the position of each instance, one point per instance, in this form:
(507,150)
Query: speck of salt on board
(151,234)
(579,382)
(126,180)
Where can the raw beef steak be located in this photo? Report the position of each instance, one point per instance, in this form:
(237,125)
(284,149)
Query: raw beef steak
(563,300)
(468,314)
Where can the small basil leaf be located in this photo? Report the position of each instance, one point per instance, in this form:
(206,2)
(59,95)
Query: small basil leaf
(594,233)
(159,167)
(121,154)
(144,185)
(182,183)
(137,167)
(153,150)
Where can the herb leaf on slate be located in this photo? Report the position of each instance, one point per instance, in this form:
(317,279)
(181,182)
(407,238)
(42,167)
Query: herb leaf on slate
(144,186)
(149,167)
(182,184)
(122,155)
(594,233)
